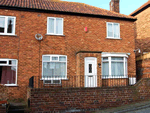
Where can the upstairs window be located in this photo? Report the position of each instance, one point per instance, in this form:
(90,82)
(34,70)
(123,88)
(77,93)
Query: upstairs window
(113,30)
(54,26)
(7,25)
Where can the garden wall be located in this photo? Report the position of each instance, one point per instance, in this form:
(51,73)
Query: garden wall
(79,99)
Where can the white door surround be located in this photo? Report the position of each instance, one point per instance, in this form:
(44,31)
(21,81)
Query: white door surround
(90,71)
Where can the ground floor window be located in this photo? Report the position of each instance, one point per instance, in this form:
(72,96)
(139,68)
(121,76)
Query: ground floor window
(8,71)
(54,67)
(114,65)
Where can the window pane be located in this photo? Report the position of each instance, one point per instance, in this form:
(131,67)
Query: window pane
(59,27)
(117,69)
(54,69)
(116,30)
(62,58)
(105,69)
(116,58)
(46,58)
(3,62)
(8,74)
(10,25)
(110,30)
(12,62)
(2,24)
(51,25)
(105,58)
(55,58)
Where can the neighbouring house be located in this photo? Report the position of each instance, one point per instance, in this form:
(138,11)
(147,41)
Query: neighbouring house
(143,39)
(59,43)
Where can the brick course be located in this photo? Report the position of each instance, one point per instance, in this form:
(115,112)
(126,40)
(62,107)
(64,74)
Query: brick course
(29,51)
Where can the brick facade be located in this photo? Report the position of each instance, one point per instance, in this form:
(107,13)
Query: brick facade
(143,23)
(59,99)
(143,68)
(29,51)
(142,39)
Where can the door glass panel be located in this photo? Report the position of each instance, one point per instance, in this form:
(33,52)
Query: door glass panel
(90,68)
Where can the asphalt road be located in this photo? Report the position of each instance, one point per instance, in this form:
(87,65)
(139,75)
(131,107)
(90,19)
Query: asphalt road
(141,107)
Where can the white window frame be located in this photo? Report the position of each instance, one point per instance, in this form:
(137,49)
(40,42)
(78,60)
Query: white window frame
(7,64)
(109,56)
(6,25)
(55,25)
(54,61)
(113,30)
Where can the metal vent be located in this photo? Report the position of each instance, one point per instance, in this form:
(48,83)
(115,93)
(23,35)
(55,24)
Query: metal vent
(52,81)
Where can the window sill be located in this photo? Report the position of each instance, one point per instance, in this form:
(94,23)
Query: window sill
(8,35)
(55,34)
(114,38)
(114,77)
(54,79)
(13,85)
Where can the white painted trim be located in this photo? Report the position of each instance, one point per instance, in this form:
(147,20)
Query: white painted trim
(55,26)
(6,25)
(104,54)
(10,85)
(113,30)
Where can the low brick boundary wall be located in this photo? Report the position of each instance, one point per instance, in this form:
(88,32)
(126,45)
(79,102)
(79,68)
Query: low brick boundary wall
(3,106)
(59,99)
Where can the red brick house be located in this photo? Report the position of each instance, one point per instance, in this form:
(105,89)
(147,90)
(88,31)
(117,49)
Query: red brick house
(80,41)
(143,39)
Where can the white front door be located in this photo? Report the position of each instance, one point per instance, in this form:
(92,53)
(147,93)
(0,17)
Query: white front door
(90,71)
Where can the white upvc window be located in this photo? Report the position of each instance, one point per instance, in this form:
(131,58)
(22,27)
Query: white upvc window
(54,67)
(113,30)
(8,72)
(114,65)
(54,26)
(7,25)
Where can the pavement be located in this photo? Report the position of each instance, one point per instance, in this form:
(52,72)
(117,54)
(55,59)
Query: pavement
(140,107)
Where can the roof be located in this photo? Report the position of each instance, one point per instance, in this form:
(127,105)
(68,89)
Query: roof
(140,9)
(62,6)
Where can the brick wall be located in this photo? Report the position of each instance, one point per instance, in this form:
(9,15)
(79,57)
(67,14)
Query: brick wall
(143,23)
(3,106)
(29,51)
(57,99)
(3,93)
(143,68)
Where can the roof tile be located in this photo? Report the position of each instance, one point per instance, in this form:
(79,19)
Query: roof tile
(64,6)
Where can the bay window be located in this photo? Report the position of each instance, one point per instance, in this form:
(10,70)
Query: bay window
(114,65)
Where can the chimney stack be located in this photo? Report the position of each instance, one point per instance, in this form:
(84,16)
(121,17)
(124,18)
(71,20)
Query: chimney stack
(114,6)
